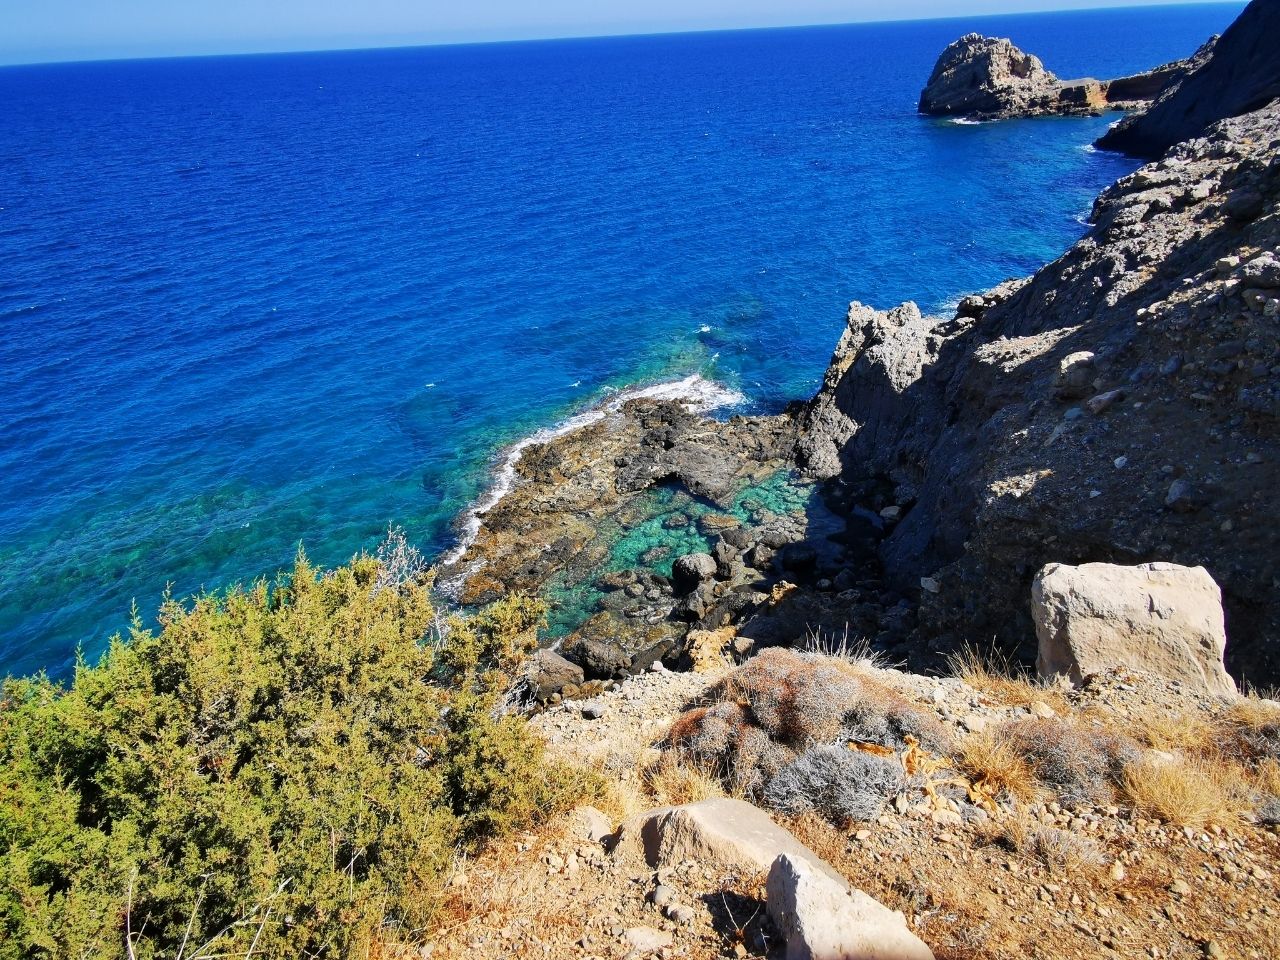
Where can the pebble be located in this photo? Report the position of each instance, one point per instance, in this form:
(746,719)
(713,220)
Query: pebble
(662,896)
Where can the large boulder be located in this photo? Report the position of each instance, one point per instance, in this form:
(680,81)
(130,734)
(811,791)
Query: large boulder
(547,673)
(692,569)
(727,832)
(987,77)
(1159,617)
(826,919)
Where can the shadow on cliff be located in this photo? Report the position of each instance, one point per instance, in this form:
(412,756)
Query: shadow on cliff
(993,482)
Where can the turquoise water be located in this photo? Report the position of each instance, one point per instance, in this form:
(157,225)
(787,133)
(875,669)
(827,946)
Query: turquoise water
(247,302)
(652,543)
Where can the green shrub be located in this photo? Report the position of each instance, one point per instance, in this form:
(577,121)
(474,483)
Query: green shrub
(288,769)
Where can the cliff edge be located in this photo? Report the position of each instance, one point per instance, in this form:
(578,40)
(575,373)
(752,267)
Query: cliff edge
(1122,405)
(1241,73)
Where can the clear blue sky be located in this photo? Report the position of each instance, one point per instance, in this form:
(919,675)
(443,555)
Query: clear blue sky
(33,31)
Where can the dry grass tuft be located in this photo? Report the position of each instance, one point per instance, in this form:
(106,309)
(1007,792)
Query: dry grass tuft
(1189,733)
(1187,793)
(674,780)
(995,765)
(996,675)
(1051,847)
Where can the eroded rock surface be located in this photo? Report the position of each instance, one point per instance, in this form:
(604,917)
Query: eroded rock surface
(989,78)
(1157,617)
(1237,74)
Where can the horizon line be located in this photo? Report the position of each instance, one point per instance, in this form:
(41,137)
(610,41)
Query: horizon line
(639,34)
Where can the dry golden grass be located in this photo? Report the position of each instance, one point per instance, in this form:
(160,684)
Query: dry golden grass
(995,675)
(1187,732)
(1194,792)
(673,780)
(1266,778)
(994,765)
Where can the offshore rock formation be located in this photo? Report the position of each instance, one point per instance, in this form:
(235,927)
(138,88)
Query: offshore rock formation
(1240,73)
(988,78)
(1122,406)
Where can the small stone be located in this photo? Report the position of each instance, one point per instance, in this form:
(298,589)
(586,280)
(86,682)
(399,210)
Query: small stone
(1121,462)
(662,896)
(1104,401)
(930,585)
(1182,497)
(1042,710)
(1117,871)
(862,836)
(1179,887)
(593,710)
(647,939)
(678,913)
(891,513)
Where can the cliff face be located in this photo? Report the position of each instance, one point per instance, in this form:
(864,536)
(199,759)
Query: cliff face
(1240,74)
(986,76)
(989,78)
(1122,405)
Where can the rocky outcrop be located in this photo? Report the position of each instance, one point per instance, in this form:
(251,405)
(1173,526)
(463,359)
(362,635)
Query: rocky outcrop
(1123,406)
(1237,74)
(547,673)
(1156,617)
(988,78)
(826,919)
(981,76)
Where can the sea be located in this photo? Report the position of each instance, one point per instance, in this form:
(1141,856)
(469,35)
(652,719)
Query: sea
(249,303)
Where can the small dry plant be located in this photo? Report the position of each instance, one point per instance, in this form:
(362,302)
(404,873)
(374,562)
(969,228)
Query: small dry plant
(1194,792)
(995,674)
(997,768)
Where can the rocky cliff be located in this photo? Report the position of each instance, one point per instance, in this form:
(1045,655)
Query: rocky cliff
(1240,73)
(1121,405)
(989,78)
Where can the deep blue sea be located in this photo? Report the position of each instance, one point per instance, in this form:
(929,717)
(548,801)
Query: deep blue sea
(247,302)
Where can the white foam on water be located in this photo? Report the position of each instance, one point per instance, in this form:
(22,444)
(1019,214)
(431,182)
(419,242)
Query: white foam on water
(695,392)
(1089,148)
(966,121)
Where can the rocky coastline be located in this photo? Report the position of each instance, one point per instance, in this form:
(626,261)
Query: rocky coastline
(989,78)
(1078,469)
(1119,406)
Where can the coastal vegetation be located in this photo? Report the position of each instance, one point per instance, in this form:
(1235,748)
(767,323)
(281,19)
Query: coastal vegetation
(286,769)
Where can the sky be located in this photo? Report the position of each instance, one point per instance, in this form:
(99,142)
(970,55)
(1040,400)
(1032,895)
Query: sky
(36,31)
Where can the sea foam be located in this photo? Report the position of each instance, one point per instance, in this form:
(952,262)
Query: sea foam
(695,392)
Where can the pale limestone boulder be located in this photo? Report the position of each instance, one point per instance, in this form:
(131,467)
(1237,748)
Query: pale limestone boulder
(1162,618)
(732,833)
(826,919)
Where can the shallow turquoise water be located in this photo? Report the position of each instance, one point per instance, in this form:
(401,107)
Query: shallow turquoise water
(247,302)
(781,493)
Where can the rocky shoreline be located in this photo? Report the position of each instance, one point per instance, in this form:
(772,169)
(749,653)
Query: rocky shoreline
(1120,406)
(988,78)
